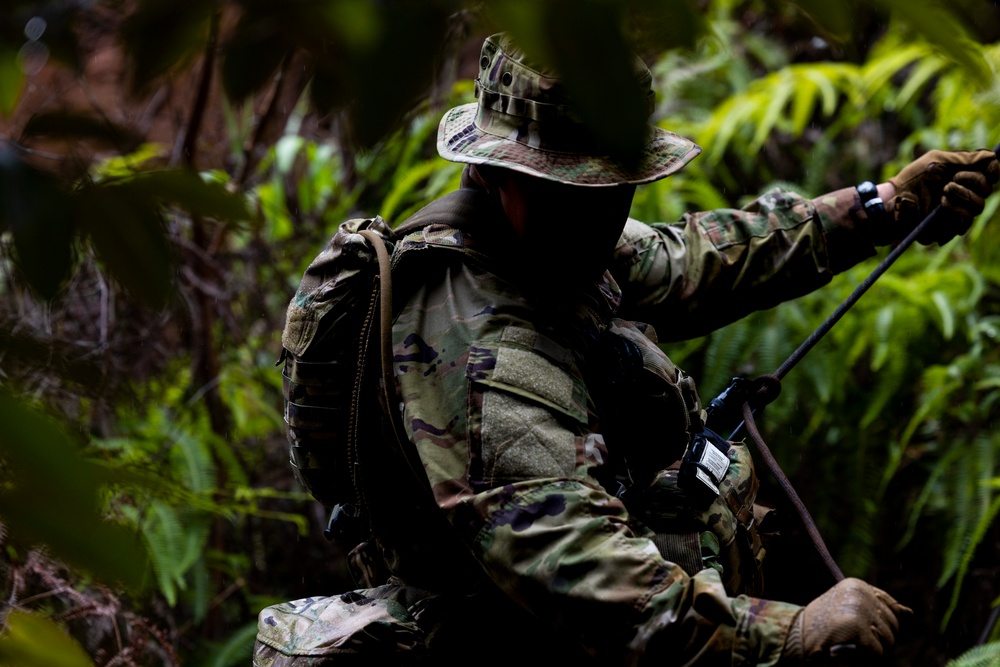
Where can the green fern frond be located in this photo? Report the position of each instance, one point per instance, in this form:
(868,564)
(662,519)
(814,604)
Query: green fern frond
(941,26)
(931,486)
(963,503)
(969,551)
(237,650)
(925,70)
(797,88)
(191,462)
(887,60)
(727,350)
(405,186)
(201,590)
(987,655)
(162,529)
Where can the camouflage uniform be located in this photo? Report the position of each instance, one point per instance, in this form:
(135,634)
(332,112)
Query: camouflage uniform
(508,517)
(495,398)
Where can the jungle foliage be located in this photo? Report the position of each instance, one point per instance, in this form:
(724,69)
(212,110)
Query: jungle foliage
(153,229)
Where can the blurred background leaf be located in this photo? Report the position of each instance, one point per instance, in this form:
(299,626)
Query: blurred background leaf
(30,640)
(79,126)
(49,497)
(162,35)
(125,227)
(36,210)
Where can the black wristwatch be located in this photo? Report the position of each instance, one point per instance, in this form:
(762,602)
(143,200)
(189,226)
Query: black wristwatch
(874,207)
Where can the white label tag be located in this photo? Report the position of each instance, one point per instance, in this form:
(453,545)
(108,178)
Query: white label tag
(703,477)
(716,462)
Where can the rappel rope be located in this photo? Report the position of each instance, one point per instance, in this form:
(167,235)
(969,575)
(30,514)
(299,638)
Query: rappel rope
(769,386)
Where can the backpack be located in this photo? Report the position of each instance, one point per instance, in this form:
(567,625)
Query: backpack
(328,327)
(334,323)
(339,320)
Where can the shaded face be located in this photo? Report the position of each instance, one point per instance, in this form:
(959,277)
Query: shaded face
(574,227)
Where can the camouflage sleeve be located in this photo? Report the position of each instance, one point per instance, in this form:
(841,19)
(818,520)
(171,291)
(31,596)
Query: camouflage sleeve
(503,424)
(712,268)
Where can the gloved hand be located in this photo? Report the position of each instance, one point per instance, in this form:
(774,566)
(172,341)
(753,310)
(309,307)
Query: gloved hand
(852,613)
(959,181)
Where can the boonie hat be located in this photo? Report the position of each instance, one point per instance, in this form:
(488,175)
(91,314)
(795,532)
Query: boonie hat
(524,121)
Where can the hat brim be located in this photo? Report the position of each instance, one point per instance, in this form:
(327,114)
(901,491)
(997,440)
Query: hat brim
(460,140)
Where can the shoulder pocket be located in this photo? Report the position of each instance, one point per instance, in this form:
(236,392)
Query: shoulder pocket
(530,365)
(527,410)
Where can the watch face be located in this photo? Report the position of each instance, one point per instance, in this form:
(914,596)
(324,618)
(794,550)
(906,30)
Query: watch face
(867,190)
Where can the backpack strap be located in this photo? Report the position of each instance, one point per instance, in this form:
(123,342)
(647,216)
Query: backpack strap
(455,209)
(385,324)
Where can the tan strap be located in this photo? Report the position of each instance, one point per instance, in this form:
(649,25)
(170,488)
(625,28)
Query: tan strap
(385,326)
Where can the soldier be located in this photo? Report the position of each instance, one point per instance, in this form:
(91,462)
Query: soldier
(543,420)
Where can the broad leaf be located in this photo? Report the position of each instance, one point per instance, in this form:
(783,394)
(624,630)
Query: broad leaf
(187,190)
(11,80)
(30,640)
(37,211)
(125,227)
(161,34)
(80,126)
(50,497)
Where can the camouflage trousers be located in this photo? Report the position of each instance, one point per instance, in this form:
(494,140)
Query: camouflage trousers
(396,624)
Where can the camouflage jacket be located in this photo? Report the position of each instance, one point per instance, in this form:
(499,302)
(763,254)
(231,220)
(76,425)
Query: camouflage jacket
(497,399)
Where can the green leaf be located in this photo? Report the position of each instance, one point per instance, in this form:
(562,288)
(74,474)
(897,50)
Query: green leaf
(405,186)
(37,211)
(125,166)
(887,61)
(941,27)
(192,462)
(803,103)
(30,640)
(237,650)
(80,126)
(987,655)
(921,75)
(834,19)
(253,53)
(126,230)
(356,22)
(189,191)
(969,549)
(827,88)
(667,24)
(778,97)
(162,34)
(947,312)
(11,81)
(52,499)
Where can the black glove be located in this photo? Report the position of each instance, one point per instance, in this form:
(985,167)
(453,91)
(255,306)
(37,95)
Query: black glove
(960,181)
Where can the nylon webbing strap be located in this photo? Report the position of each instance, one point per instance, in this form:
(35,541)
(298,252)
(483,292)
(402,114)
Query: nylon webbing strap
(385,324)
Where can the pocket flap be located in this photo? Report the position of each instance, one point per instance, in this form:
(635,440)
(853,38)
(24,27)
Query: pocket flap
(531,366)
